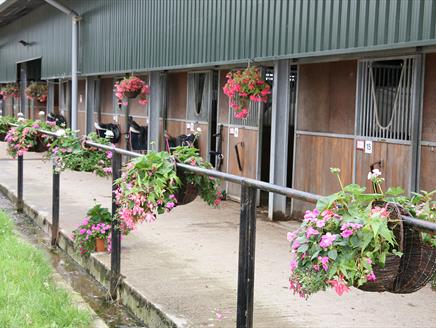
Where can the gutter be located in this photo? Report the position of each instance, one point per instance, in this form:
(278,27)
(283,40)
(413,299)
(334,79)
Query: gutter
(75,18)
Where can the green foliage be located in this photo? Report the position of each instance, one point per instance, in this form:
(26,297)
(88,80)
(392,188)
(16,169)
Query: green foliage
(68,152)
(208,186)
(28,296)
(5,122)
(97,224)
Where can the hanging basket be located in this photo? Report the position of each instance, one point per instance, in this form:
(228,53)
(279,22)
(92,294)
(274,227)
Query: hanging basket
(418,264)
(187,192)
(40,145)
(132,94)
(386,276)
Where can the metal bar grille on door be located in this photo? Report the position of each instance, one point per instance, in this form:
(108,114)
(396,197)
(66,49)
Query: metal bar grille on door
(385,98)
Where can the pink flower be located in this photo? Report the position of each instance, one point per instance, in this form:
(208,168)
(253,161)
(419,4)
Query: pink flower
(316,267)
(293,264)
(85,221)
(339,286)
(311,216)
(371,277)
(149,217)
(311,232)
(346,233)
(369,260)
(291,236)
(382,211)
(327,240)
(320,223)
(107,170)
(324,261)
(217,201)
(295,244)
(170,205)
(109,154)
(82,231)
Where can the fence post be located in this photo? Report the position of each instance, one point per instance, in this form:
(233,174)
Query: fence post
(116,233)
(55,207)
(247,245)
(20,184)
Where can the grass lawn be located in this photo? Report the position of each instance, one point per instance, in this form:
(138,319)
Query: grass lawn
(28,296)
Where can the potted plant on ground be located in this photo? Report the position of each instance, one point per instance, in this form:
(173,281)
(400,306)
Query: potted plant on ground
(10,90)
(353,238)
(37,91)
(93,234)
(69,152)
(131,87)
(25,137)
(151,185)
(245,86)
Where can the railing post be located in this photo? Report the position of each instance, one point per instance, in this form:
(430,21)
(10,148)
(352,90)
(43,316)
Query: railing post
(20,184)
(55,207)
(116,233)
(247,245)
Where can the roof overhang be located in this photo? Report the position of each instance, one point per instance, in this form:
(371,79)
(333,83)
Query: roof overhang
(11,10)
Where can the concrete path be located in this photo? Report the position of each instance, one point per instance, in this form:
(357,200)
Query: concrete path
(186,262)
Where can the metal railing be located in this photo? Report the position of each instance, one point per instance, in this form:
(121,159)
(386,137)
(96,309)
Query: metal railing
(247,229)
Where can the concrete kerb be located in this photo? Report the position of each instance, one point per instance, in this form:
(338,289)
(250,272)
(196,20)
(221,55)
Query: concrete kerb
(135,301)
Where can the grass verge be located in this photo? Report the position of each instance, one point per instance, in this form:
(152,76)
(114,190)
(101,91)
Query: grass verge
(28,295)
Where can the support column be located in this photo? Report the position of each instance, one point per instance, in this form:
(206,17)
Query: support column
(279,136)
(154,110)
(416,122)
(74,73)
(24,108)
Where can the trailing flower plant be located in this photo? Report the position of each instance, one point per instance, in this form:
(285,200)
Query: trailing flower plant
(96,224)
(245,86)
(37,91)
(350,232)
(25,136)
(131,87)
(69,152)
(10,90)
(149,186)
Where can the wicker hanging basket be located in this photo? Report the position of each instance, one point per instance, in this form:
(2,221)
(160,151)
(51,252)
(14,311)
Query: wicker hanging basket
(386,276)
(40,145)
(414,269)
(132,94)
(418,264)
(187,192)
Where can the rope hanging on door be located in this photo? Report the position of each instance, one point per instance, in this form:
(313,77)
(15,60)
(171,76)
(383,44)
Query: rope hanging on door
(395,107)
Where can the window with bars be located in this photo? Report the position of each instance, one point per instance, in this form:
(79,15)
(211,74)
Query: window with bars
(385,98)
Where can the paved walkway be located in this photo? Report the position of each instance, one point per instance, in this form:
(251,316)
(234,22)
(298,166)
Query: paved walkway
(186,262)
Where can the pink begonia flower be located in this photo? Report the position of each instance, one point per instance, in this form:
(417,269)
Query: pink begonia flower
(293,264)
(85,221)
(327,214)
(324,262)
(346,233)
(320,223)
(109,154)
(327,240)
(170,205)
(291,236)
(371,277)
(311,216)
(296,244)
(311,232)
(382,211)
(107,170)
(339,286)
(149,217)
(82,231)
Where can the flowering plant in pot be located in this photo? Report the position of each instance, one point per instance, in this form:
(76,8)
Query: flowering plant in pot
(150,185)
(25,137)
(10,90)
(93,233)
(245,86)
(131,87)
(69,152)
(5,125)
(37,91)
(351,238)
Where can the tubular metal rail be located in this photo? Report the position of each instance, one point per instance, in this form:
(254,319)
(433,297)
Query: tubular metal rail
(247,230)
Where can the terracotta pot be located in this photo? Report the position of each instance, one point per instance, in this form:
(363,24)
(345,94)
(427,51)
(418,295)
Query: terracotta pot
(99,245)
